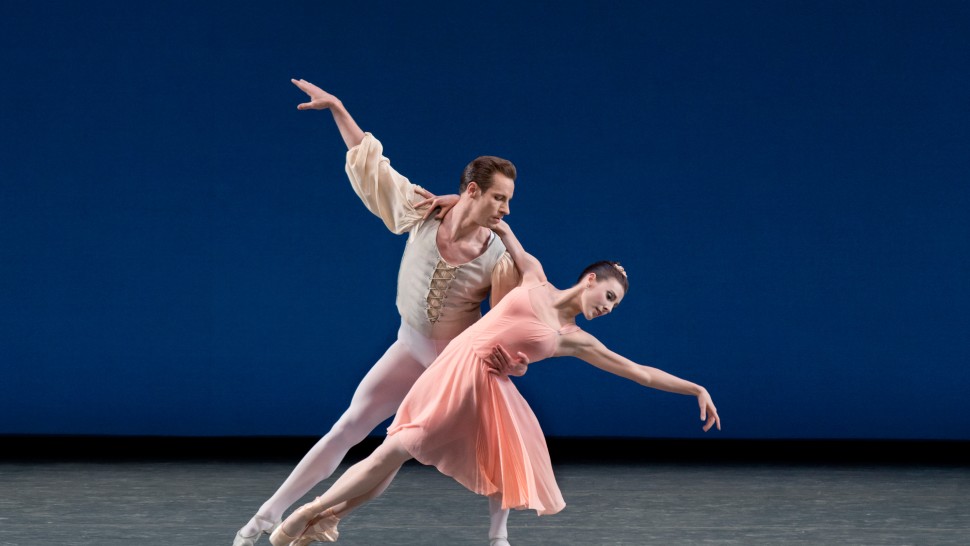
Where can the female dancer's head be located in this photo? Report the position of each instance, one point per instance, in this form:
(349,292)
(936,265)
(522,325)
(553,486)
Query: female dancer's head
(605,284)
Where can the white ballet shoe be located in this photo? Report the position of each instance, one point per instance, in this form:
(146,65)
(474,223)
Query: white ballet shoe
(499,541)
(265,527)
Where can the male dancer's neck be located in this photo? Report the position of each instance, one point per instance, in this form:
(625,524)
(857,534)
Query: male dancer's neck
(458,225)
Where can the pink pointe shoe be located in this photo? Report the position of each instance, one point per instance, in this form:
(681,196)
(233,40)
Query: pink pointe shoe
(320,528)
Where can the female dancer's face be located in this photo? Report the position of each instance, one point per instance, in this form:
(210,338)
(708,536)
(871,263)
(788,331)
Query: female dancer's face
(490,206)
(601,297)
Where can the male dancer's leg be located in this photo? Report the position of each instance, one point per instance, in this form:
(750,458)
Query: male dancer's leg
(376,399)
(498,532)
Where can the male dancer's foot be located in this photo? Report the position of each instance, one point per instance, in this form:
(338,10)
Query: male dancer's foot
(498,532)
(252,531)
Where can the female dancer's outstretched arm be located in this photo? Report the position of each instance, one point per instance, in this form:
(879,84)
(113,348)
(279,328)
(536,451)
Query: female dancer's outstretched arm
(585,346)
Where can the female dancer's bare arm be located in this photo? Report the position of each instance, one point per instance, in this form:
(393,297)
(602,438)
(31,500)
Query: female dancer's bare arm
(527,264)
(585,346)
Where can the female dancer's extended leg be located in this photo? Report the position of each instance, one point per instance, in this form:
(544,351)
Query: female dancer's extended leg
(361,482)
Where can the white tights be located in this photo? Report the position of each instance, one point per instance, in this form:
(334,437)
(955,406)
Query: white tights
(375,400)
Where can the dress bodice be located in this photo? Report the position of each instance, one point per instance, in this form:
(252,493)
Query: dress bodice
(514,324)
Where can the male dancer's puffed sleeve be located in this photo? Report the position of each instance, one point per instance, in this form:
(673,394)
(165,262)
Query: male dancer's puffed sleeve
(505,277)
(383,190)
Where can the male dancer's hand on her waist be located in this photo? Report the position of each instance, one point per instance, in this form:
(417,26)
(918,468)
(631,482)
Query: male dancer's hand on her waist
(500,362)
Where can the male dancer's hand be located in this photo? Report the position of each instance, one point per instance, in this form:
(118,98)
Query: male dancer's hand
(441,203)
(500,362)
(319,99)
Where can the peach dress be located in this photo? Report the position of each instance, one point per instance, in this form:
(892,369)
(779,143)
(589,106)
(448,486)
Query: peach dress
(475,426)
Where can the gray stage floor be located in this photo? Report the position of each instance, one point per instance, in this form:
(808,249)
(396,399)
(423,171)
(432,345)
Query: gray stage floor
(204,502)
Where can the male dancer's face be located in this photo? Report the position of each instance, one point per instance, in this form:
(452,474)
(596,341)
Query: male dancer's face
(490,206)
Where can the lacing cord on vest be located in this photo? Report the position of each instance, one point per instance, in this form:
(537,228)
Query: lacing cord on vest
(441,279)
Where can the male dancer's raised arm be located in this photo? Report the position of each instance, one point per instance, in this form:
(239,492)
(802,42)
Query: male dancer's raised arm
(321,100)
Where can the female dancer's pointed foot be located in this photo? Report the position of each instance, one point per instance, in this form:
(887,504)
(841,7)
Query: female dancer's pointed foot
(245,536)
(322,528)
(294,527)
(280,538)
(499,541)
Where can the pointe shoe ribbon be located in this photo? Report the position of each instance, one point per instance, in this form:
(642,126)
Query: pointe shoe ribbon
(322,528)
(319,528)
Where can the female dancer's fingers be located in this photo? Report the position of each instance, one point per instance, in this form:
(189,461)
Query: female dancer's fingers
(710,422)
(710,417)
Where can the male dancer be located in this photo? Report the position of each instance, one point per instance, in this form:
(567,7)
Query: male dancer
(450,264)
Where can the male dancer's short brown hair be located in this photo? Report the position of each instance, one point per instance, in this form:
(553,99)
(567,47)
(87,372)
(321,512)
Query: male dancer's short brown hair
(481,170)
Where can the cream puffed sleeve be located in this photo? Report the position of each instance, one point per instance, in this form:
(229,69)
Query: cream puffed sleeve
(505,277)
(383,190)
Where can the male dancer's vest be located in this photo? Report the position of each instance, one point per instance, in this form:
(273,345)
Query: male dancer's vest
(436,298)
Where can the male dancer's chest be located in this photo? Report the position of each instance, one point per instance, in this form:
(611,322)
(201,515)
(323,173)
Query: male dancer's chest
(461,251)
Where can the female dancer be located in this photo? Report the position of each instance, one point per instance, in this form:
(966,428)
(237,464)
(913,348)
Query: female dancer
(473,424)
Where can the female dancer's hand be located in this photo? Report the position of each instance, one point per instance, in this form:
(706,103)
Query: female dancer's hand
(500,362)
(442,203)
(708,411)
(501,228)
(319,99)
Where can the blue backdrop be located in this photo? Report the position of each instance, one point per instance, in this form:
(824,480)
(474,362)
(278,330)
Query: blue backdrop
(786,182)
